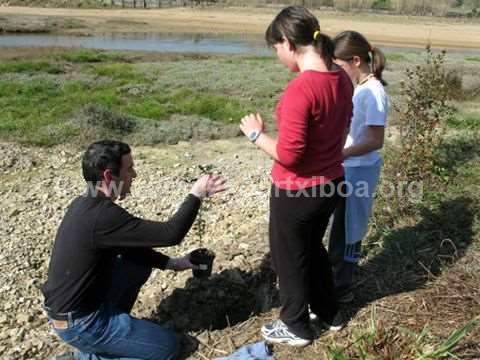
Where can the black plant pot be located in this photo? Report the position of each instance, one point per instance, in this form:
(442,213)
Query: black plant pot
(204,259)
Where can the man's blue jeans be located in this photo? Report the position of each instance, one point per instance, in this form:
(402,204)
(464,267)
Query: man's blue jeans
(112,333)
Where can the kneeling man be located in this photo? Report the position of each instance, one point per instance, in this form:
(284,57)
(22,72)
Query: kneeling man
(103,255)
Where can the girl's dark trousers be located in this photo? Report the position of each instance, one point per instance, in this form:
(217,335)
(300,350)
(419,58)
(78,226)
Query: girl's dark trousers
(298,220)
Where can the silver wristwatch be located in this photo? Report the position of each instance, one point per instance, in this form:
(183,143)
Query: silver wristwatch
(254,135)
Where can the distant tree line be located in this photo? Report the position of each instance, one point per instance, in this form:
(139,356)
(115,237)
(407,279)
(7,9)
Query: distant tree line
(470,8)
(412,7)
(147,4)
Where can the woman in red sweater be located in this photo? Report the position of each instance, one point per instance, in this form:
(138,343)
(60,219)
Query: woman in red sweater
(312,119)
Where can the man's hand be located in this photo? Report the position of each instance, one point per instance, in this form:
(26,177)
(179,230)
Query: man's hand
(208,185)
(180,264)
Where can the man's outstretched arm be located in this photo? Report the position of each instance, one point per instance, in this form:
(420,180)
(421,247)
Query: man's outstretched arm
(116,228)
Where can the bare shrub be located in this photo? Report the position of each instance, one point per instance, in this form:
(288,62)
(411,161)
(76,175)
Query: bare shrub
(346,5)
(454,84)
(422,109)
(99,116)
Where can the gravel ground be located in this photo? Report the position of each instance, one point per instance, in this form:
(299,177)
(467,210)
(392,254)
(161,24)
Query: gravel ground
(38,185)
(227,310)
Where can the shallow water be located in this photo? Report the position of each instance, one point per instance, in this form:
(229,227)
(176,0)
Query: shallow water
(190,43)
(181,43)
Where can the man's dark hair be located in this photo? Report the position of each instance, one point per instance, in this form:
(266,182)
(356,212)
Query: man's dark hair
(102,155)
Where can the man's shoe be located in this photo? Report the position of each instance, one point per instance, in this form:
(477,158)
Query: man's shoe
(65,356)
(277,332)
(346,298)
(335,324)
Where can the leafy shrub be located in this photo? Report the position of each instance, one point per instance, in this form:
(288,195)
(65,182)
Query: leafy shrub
(454,85)
(423,109)
(100,116)
(467,122)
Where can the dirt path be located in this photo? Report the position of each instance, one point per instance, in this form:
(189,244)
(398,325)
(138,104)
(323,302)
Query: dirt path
(386,30)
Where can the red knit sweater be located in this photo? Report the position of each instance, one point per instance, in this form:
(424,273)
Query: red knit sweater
(312,116)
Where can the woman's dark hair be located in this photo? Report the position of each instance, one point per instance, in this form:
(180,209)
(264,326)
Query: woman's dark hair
(102,155)
(301,28)
(351,43)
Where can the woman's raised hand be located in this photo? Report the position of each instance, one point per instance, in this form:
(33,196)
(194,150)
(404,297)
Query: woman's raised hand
(251,123)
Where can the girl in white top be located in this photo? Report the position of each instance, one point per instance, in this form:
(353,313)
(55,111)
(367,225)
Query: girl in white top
(362,162)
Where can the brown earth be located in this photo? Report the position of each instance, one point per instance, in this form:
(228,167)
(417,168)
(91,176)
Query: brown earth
(381,29)
(435,286)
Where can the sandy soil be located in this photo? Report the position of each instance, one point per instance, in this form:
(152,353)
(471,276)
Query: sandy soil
(380,29)
(227,310)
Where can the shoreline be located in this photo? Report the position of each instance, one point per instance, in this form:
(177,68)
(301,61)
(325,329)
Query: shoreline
(394,30)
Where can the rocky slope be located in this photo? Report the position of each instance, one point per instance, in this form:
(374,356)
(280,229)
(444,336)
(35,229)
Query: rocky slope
(38,185)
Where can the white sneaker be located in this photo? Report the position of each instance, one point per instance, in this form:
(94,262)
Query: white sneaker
(277,332)
(336,324)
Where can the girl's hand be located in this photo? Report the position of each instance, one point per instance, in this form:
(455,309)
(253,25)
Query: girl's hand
(251,123)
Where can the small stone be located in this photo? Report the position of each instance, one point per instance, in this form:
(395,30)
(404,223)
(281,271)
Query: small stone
(14,212)
(23,318)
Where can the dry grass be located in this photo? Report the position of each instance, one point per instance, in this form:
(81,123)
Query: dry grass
(406,324)
(418,284)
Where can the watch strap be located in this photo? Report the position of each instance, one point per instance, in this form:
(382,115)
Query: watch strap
(254,135)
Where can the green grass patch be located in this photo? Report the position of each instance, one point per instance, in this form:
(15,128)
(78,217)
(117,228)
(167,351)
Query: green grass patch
(473,58)
(395,57)
(30,106)
(26,107)
(39,111)
(121,73)
(218,91)
(68,23)
(188,102)
(260,58)
(215,107)
(467,122)
(150,108)
(250,59)
(28,66)
(87,56)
